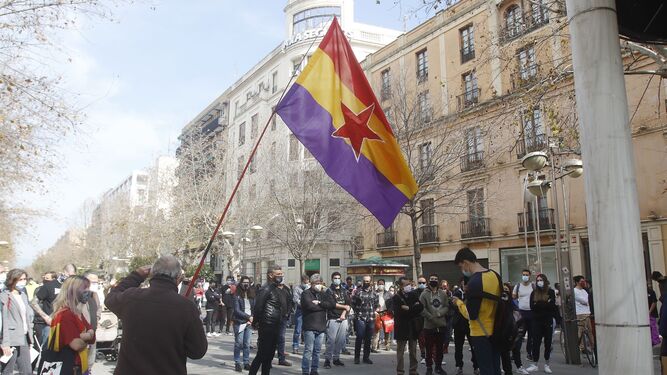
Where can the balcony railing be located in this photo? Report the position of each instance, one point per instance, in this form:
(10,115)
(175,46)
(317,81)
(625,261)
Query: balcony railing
(525,77)
(472,161)
(386,239)
(545,218)
(476,227)
(428,233)
(467,99)
(529,21)
(467,54)
(530,144)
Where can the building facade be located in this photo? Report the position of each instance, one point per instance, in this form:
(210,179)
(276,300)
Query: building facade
(490,82)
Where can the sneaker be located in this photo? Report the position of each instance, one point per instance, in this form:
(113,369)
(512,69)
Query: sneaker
(216,334)
(357,361)
(209,334)
(522,371)
(327,364)
(423,361)
(459,371)
(374,351)
(284,363)
(532,367)
(440,371)
(337,362)
(547,369)
(368,361)
(237,367)
(246,367)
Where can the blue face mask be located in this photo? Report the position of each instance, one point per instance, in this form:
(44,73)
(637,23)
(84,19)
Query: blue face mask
(337,281)
(467,274)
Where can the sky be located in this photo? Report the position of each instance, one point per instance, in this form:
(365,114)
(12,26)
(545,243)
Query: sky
(142,76)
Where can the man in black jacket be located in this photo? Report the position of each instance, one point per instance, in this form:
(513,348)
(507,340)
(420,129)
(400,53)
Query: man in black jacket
(227,310)
(314,303)
(160,328)
(270,307)
(213,307)
(337,322)
(406,328)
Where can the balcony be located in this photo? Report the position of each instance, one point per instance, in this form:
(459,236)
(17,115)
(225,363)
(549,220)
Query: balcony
(467,99)
(472,161)
(422,77)
(476,227)
(386,239)
(530,143)
(545,218)
(529,22)
(525,77)
(428,233)
(467,54)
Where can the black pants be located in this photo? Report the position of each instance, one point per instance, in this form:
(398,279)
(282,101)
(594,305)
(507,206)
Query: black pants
(229,312)
(461,332)
(267,341)
(527,317)
(210,324)
(365,332)
(542,329)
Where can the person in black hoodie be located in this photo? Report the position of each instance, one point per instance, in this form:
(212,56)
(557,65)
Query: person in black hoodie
(212,308)
(227,311)
(543,306)
(337,322)
(270,307)
(407,308)
(315,303)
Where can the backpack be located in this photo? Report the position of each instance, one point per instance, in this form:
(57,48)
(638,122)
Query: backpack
(505,331)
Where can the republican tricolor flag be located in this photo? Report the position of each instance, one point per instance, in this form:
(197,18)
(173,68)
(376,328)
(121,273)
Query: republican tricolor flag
(332,110)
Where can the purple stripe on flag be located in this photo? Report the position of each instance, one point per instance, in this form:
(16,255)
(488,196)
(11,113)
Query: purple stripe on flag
(313,126)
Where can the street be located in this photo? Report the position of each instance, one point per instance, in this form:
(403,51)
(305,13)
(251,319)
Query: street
(219,360)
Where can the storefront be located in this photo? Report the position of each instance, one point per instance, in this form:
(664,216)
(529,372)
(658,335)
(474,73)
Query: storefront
(377,268)
(513,261)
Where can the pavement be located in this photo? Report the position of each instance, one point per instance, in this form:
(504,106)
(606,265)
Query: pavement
(219,360)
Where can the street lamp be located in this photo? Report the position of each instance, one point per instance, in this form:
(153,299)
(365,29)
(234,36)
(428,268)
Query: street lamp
(535,162)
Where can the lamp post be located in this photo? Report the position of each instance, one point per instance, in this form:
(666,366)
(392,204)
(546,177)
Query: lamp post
(227,235)
(535,162)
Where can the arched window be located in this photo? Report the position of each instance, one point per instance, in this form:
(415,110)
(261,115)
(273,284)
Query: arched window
(513,21)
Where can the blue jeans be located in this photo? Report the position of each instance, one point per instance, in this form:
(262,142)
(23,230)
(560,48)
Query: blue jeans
(281,341)
(487,357)
(242,342)
(298,323)
(364,334)
(312,344)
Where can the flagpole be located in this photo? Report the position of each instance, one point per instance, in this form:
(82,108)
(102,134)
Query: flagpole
(245,168)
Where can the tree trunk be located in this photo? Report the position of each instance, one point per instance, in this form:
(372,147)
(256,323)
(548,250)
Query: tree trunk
(416,246)
(302,268)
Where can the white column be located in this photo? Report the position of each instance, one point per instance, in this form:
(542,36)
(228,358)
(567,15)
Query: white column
(623,337)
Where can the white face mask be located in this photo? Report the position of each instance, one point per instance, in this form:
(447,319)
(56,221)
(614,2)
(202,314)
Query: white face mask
(540,284)
(407,289)
(525,278)
(21,284)
(319,287)
(381,288)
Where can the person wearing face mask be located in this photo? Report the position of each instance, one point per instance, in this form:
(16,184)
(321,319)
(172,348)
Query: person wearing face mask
(406,308)
(480,309)
(521,293)
(42,304)
(244,302)
(315,303)
(543,306)
(298,314)
(461,329)
(271,305)
(364,303)
(92,311)
(71,334)
(436,307)
(213,308)
(336,322)
(161,328)
(227,305)
(17,317)
(384,308)
(421,286)
(282,356)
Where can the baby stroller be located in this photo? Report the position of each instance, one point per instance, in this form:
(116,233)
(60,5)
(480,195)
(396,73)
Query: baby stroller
(108,335)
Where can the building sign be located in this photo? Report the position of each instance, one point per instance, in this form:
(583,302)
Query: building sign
(376,270)
(310,34)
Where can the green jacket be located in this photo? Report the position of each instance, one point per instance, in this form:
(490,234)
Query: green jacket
(436,305)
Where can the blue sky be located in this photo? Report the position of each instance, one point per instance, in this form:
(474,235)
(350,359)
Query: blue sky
(142,76)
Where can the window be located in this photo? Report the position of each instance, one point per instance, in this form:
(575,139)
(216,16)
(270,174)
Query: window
(242,134)
(252,168)
(291,263)
(236,108)
(385,93)
(253,126)
(296,67)
(274,119)
(313,18)
(539,12)
(474,143)
(424,107)
(240,166)
(274,82)
(425,155)
(467,43)
(428,211)
(475,203)
(513,21)
(470,89)
(293,147)
(532,128)
(334,262)
(527,63)
(422,65)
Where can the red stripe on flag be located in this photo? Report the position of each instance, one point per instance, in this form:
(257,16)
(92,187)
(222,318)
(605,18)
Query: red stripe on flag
(336,46)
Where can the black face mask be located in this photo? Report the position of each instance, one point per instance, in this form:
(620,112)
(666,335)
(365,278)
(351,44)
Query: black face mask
(278,280)
(433,283)
(367,285)
(245,286)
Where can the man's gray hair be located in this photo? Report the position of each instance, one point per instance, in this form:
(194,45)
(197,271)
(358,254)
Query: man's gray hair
(315,278)
(273,268)
(167,265)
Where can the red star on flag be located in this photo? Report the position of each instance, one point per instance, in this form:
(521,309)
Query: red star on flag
(356,129)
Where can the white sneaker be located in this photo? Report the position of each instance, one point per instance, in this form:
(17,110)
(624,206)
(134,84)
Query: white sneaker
(522,371)
(216,334)
(532,367)
(209,334)
(423,361)
(547,369)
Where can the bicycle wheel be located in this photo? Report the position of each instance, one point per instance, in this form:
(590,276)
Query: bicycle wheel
(589,351)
